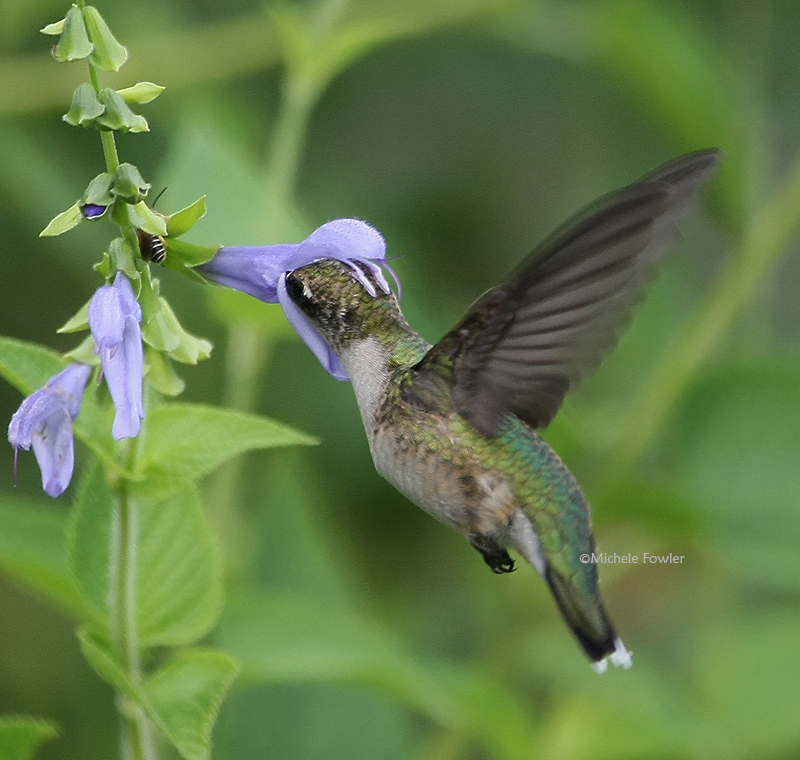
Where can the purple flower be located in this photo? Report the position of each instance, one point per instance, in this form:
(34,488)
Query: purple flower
(44,421)
(93,210)
(114,318)
(260,271)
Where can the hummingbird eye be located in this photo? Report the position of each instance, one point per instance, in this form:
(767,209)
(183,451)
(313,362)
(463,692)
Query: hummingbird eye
(297,291)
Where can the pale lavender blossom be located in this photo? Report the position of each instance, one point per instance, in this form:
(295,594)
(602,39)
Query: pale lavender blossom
(260,271)
(114,319)
(44,421)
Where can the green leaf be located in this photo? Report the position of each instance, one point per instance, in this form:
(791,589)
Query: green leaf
(64,222)
(185,695)
(122,258)
(182,256)
(178,575)
(129,184)
(182,698)
(161,374)
(189,441)
(141,92)
(165,333)
(190,254)
(182,221)
(85,108)
(93,428)
(32,551)
(117,117)
(53,29)
(103,267)
(160,331)
(21,736)
(180,572)
(285,638)
(91,526)
(78,322)
(74,42)
(84,353)
(108,54)
(144,217)
(99,654)
(99,190)
(28,366)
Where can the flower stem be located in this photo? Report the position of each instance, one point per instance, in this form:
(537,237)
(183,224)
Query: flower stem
(306,77)
(136,735)
(137,726)
(106,136)
(299,96)
(110,151)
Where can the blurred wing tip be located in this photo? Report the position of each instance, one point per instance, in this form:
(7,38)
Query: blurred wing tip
(693,167)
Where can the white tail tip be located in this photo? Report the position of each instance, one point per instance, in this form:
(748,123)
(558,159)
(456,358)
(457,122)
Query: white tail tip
(620,658)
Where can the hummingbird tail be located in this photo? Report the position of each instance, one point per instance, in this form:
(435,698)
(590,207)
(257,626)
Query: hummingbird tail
(590,624)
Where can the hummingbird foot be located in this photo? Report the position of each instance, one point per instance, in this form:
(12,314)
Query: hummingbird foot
(493,554)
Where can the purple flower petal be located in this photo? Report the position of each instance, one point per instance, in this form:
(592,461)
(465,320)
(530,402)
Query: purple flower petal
(44,421)
(319,347)
(254,270)
(114,318)
(93,210)
(342,239)
(260,271)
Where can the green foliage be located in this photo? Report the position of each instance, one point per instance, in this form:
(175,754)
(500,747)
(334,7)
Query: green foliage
(734,452)
(32,551)
(161,374)
(464,131)
(186,694)
(141,92)
(163,332)
(121,257)
(116,115)
(73,43)
(20,736)
(177,575)
(288,638)
(182,221)
(63,222)
(101,190)
(108,54)
(27,366)
(141,215)
(188,441)
(85,108)
(182,698)
(129,185)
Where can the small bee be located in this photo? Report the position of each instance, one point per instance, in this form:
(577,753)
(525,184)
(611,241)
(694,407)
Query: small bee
(151,247)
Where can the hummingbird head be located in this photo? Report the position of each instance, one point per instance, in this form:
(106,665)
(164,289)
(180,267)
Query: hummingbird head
(335,299)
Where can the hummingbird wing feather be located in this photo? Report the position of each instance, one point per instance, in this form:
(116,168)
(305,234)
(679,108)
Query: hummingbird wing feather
(526,342)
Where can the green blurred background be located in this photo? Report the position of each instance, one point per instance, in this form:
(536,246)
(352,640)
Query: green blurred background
(464,131)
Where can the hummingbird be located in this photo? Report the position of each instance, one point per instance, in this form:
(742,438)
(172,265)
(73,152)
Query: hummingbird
(453,426)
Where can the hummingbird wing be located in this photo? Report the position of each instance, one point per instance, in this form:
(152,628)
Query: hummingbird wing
(525,343)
